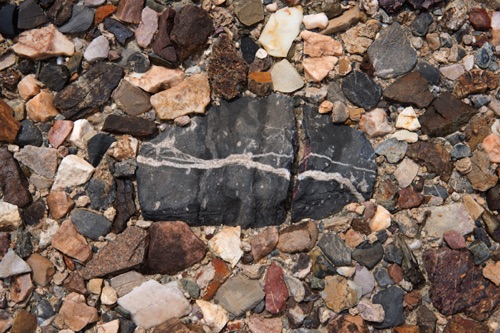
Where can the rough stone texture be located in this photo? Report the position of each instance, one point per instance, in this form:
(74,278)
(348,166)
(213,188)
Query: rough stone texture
(135,126)
(59,132)
(31,15)
(41,107)
(280,30)
(368,255)
(276,289)
(457,285)
(124,253)
(239,295)
(339,295)
(70,242)
(12,264)
(264,243)
(126,282)
(348,323)
(481,176)
(24,322)
(43,43)
(392,44)
(130,11)
(445,218)
(225,153)
(13,183)
(445,115)
(475,82)
(190,31)
(411,89)
(124,204)
(162,45)
(90,224)
(90,91)
(41,160)
(361,90)
(10,218)
(391,300)
(258,324)
(249,12)
(298,237)
(335,171)
(156,78)
(227,71)
(43,269)
(148,27)
(81,20)
(59,204)
(131,99)
(75,313)
(335,249)
(73,171)
(190,96)
(9,127)
(433,156)
(173,247)
(461,324)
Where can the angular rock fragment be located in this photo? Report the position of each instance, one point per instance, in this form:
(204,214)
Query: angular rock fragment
(335,249)
(163,45)
(318,45)
(81,20)
(90,224)
(249,12)
(130,11)
(239,294)
(298,237)
(43,43)
(41,160)
(285,77)
(70,242)
(280,31)
(264,243)
(73,171)
(339,293)
(481,175)
(10,218)
(131,99)
(31,15)
(148,27)
(90,91)
(13,182)
(450,217)
(156,78)
(411,89)
(124,204)
(12,264)
(75,313)
(391,300)
(121,32)
(97,50)
(361,90)
(433,156)
(9,127)
(60,11)
(346,323)
(137,127)
(476,81)
(275,289)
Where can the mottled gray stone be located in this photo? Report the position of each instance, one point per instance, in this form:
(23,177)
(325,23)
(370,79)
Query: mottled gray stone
(90,224)
(335,249)
(239,294)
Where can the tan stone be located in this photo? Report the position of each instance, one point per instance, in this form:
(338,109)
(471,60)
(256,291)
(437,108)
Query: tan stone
(316,69)
(381,220)
(190,96)
(318,45)
(338,294)
(343,22)
(70,242)
(491,144)
(21,288)
(43,43)
(76,314)
(345,66)
(258,324)
(125,148)
(492,272)
(156,78)
(41,107)
(475,210)
(59,204)
(28,87)
(374,123)
(43,269)
(325,107)
(109,327)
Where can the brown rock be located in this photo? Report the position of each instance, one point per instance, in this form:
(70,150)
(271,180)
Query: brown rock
(445,115)
(43,269)
(227,71)
(343,22)
(433,156)
(10,78)
(124,204)
(130,11)
(21,288)
(412,299)
(162,44)
(191,29)
(43,43)
(4,243)
(395,272)
(70,242)
(260,83)
(264,243)
(258,324)
(476,130)
(492,272)
(454,239)
(406,329)
(28,87)
(479,19)
(75,313)
(411,89)
(5,320)
(275,289)
(59,204)
(475,81)
(41,107)
(481,175)
(24,322)
(457,284)
(190,96)
(102,12)
(175,326)
(318,45)
(156,78)
(75,283)
(461,324)
(173,247)
(13,183)
(124,253)
(298,237)
(348,323)
(338,294)
(211,277)
(409,198)
(8,125)
(59,132)
(131,99)
(60,11)
(135,126)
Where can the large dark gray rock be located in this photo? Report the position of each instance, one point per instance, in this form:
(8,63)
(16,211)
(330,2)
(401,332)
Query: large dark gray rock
(339,168)
(230,167)
(90,224)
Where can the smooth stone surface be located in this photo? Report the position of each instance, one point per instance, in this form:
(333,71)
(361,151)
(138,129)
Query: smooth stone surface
(227,245)
(390,45)
(9,127)
(130,11)
(41,107)
(285,77)
(361,90)
(31,15)
(12,264)
(121,32)
(298,237)
(148,27)
(412,89)
(392,149)
(280,31)
(81,20)
(239,294)
(222,203)
(41,160)
(135,126)
(445,218)
(70,242)
(90,224)
(368,255)
(391,300)
(73,171)
(131,99)
(97,50)
(249,12)
(332,177)
(276,289)
(97,147)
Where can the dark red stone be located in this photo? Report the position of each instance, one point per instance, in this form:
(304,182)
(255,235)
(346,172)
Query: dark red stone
(162,45)
(461,324)
(13,183)
(479,19)
(173,247)
(457,285)
(222,272)
(409,198)
(454,239)
(275,289)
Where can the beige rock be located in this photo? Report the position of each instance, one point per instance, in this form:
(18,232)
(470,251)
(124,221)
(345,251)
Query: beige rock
(109,327)
(124,283)
(354,43)
(59,204)
(43,269)
(280,31)
(41,107)
(43,43)
(316,69)
(7,60)
(338,294)
(325,107)
(406,171)
(226,245)
(76,314)
(21,288)
(259,324)
(214,315)
(70,242)
(492,272)
(285,77)
(318,45)
(40,160)
(81,133)
(28,87)
(156,78)
(475,209)
(73,171)
(491,144)
(95,286)
(374,123)
(108,295)
(408,120)
(315,21)
(146,30)
(452,72)
(10,219)
(126,147)
(381,220)
(190,96)
(343,22)
(406,136)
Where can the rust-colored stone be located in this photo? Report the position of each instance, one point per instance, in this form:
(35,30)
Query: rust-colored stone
(433,156)
(59,204)
(8,125)
(461,324)
(348,323)
(476,81)
(260,83)
(102,12)
(222,272)
(409,198)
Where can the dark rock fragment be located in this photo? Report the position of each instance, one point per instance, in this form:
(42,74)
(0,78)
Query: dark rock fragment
(428,71)
(130,11)
(426,319)
(138,63)
(97,147)
(101,190)
(31,15)
(81,20)
(411,268)
(13,183)
(391,6)
(493,198)
(29,134)
(124,204)
(420,25)
(8,20)
(479,251)
(412,89)
(368,255)
(90,224)
(90,91)
(162,45)
(461,324)
(9,78)
(433,156)
(134,126)
(120,31)
(361,90)
(54,76)
(476,81)
(34,212)
(248,48)
(335,249)
(391,300)
(60,12)
(479,19)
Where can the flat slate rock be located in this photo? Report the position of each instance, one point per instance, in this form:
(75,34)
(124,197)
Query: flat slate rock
(239,294)
(81,20)
(97,147)
(391,300)
(230,167)
(31,15)
(90,224)
(391,54)
(339,168)
(90,91)
(13,182)
(412,89)
(138,127)
(121,32)
(361,90)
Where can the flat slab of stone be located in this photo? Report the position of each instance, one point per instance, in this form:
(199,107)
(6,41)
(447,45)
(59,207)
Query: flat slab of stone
(339,168)
(445,218)
(239,294)
(230,167)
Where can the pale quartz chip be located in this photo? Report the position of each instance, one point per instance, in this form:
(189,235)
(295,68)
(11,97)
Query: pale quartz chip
(261,54)
(73,171)
(452,72)
(280,31)
(315,21)
(406,136)
(381,220)
(408,120)
(285,77)
(82,131)
(468,62)
(43,43)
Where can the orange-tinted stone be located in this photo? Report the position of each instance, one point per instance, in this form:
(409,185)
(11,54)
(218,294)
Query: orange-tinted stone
(406,329)
(102,12)
(222,272)
(59,132)
(59,204)
(8,125)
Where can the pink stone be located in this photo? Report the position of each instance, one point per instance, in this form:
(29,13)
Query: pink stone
(454,239)
(146,30)
(491,144)
(21,288)
(316,69)
(59,132)
(28,87)
(275,289)
(374,123)
(130,11)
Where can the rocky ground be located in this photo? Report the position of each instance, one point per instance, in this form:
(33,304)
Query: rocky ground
(244,166)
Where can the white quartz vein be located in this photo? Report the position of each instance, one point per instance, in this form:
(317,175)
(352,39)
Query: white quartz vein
(343,164)
(326,176)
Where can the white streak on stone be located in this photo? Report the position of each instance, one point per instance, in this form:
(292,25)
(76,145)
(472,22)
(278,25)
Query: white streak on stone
(343,164)
(325,176)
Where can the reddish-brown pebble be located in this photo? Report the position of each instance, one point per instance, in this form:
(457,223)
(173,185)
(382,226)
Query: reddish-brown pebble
(454,239)
(59,132)
(395,272)
(479,19)
(59,204)
(275,289)
(102,12)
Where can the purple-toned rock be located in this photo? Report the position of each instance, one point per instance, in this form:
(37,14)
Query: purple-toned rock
(162,45)
(146,30)
(13,183)
(275,289)
(264,243)
(454,239)
(130,11)
(173,247)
